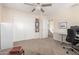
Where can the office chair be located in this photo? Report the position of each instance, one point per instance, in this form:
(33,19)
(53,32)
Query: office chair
(71,38)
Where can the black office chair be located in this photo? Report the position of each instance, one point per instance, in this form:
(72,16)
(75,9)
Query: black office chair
(72,38)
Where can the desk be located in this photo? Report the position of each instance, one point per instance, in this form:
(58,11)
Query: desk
(58,35)
(62,36)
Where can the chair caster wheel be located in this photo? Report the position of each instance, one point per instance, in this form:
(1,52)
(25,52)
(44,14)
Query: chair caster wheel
(67,52)
(63,47)
(72,50)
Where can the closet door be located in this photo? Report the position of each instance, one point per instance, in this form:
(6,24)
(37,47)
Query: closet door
(0,36)
(6,35)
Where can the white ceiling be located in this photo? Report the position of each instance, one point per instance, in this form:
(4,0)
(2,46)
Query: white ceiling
(48,10)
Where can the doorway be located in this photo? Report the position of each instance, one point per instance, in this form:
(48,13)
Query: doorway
(50,29)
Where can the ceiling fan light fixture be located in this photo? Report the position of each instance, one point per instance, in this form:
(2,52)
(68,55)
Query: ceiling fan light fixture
(38,8)
(33,10)
(42,10)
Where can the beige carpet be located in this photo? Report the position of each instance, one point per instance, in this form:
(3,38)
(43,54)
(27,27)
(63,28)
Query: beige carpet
(39,47)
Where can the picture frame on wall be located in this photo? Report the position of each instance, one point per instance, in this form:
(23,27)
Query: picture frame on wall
(36,25)
(62,25)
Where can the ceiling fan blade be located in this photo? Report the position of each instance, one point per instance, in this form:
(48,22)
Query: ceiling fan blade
(31,4)
(77,4)
(33,10)
(42,10)
(46,5)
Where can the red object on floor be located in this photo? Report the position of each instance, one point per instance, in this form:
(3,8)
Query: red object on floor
(17,51)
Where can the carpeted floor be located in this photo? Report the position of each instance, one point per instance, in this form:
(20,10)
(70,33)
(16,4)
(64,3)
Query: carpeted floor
(40,47)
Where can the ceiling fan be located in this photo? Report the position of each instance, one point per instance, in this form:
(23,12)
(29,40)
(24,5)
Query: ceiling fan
(38,6)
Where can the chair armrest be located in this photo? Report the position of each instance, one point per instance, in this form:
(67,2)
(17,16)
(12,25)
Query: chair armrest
(77,37)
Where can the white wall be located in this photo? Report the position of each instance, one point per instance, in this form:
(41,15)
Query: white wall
(68,14)
(24,27)
(44,27)
(24,24)
(0,22)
